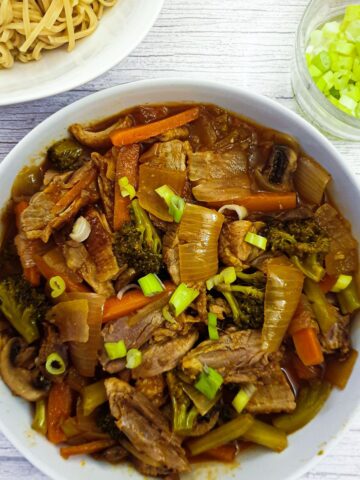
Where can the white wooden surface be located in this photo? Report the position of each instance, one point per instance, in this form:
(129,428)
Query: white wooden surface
(243,42)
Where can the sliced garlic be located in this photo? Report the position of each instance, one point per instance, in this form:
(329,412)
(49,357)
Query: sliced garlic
(81,230)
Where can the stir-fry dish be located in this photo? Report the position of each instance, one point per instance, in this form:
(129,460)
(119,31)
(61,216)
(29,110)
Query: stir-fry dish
(175,285)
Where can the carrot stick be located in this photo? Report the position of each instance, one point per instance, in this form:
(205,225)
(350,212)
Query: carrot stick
(127,136)
(308,347)
(32,275)
(19,208)
(74,192)
(269,202)
(225,453)
(131,301)
(58,410)
(126,166)
(86,448)
(327,283)
(48,272)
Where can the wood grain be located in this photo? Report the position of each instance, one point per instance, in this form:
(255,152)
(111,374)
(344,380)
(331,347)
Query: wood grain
(243,42)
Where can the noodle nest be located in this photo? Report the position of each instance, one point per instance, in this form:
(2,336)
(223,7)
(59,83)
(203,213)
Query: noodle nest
(27,27)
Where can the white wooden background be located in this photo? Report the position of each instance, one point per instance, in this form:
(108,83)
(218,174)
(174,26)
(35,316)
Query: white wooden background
(243,42)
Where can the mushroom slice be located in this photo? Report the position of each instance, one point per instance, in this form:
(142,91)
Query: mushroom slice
(276,176)
(20,380)
(87,134)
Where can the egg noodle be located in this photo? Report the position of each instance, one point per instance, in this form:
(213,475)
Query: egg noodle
(27,27)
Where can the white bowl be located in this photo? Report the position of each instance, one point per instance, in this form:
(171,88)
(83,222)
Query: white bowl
(119,31)
(331,422)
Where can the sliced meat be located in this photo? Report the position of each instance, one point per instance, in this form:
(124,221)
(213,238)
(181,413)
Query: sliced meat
(99,246)
(212,165)
(337,338)
(179,133)
(171,253)
(79,260)
(237,356)
(28,249)
(145,426)
(274,396)
(106,179)
(171,155)
(233,250)
(59,202)
(135,331)
(51,344)
(153,388)
(200,303)
(162,357)
(113,455)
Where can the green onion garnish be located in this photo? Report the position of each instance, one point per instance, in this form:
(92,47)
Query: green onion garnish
(212,326)
(243,397)
(151,285)
(342,282)
(209,382)
(182,298)
(57,285)
(126,189)
(39,422)
(116,350)
(333,59)
(228,276)
(177,207)
(256,240)
(166,193)
(55,365)
(175,203)
(133,358)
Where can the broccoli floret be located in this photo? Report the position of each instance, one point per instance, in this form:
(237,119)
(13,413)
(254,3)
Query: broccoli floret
(246,303)
(106,422)
(23,306)
(184,412)
(137,243)
(67,154)
(296,237)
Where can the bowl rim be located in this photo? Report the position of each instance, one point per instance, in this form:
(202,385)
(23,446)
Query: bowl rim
(73,82)
(211,86)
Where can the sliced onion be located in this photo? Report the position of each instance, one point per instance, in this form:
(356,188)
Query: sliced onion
(311,180)
(240,210)
(131,286)
(84,355)
(199,233)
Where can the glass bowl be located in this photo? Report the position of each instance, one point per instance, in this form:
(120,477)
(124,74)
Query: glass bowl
(311,100)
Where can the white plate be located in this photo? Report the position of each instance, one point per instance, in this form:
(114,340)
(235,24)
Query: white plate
(331,422)
(120,30)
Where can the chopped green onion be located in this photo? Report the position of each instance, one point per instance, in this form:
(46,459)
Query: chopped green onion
(166,193)
(212,326)
(243,397)
(57,286)
(151,285)
(256,240)
(39,423)
(133,358)
(182,298)
(342,282)
(209,382)
(115,350)
(349,299)
(333,59)
(126,189)
(55,365)
(175,203)
(177,207)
